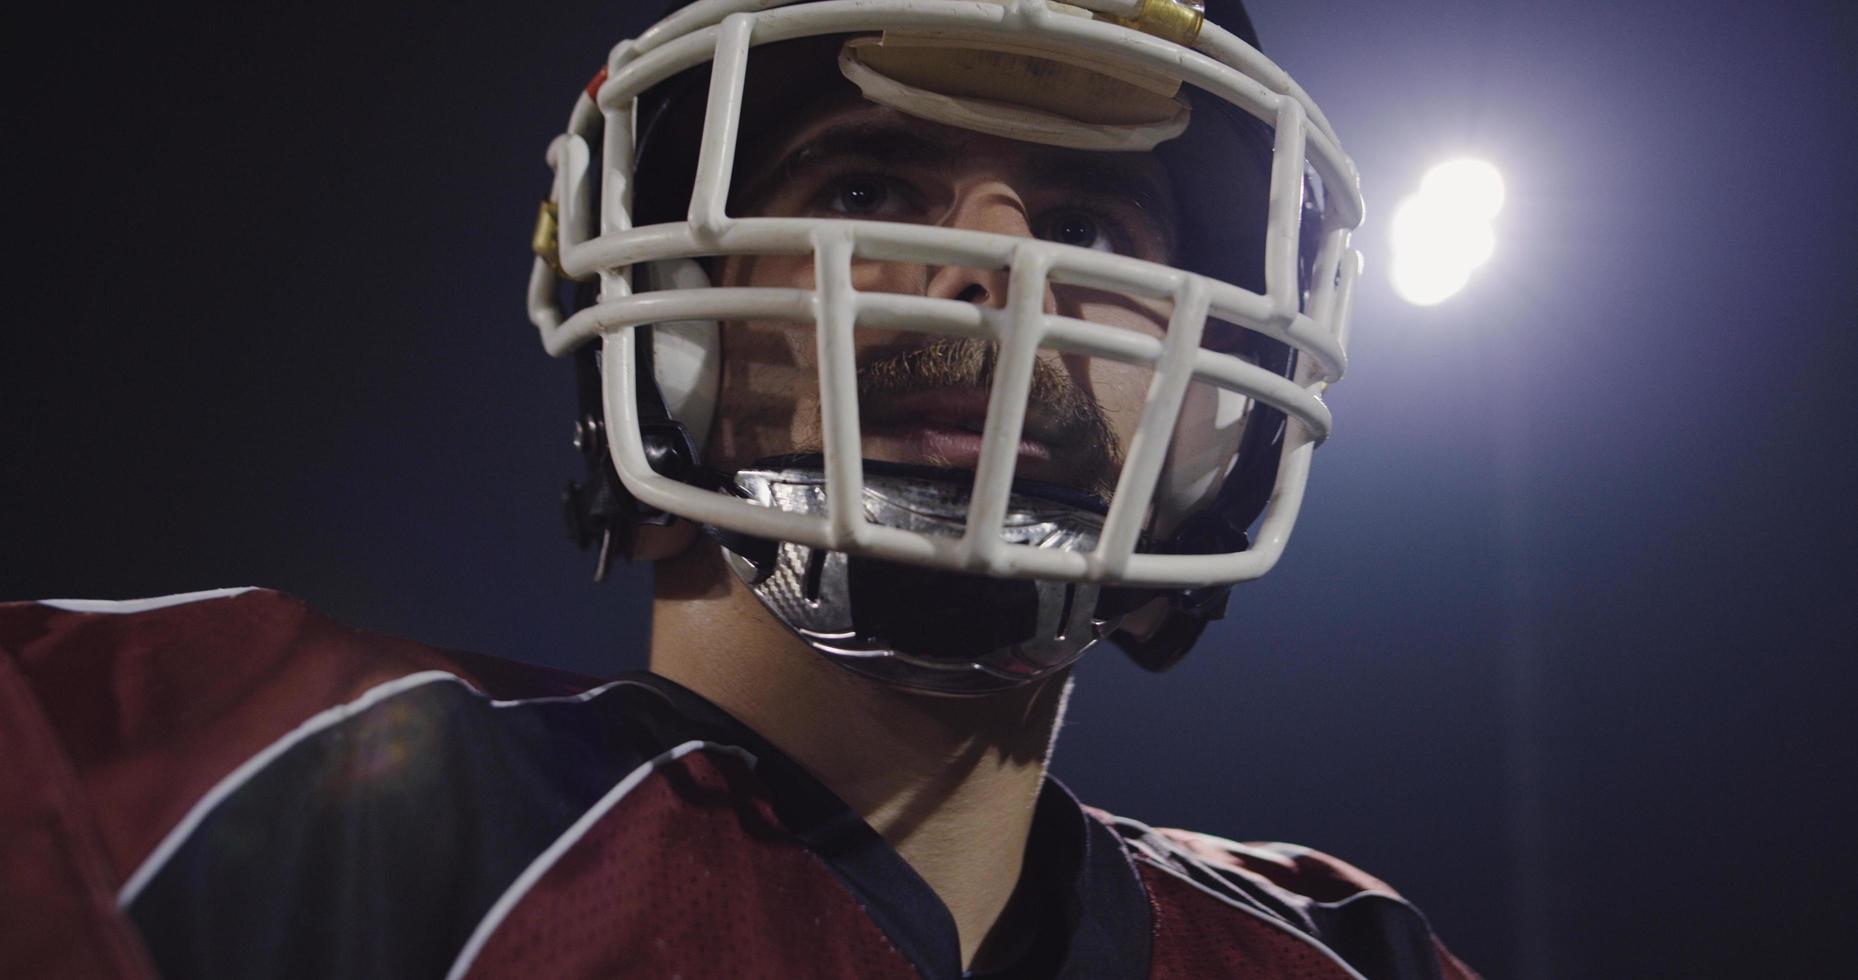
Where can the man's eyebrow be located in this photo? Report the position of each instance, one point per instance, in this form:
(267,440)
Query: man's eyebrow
(890,144)
(1100,176)
(881,143)
(877,141)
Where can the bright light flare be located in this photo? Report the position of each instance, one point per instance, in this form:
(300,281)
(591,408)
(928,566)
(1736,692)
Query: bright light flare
(1444,231)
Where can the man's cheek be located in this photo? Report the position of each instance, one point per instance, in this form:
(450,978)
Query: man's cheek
(889,277)
(1147,316)
(768,382)
(1120,390)
(779,271)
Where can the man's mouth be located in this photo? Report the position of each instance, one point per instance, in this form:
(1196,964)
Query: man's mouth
(929,405)
(944,426)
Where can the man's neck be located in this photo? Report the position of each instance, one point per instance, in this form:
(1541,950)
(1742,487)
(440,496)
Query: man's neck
(950,783)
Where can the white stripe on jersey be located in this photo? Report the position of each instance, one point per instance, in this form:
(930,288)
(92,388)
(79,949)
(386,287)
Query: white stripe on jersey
(123,606)
(561,845)
(252,766)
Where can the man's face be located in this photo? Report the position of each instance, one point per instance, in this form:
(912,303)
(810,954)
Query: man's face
(923,398)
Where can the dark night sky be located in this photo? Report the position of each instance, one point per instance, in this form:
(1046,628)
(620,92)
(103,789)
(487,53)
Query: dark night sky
(1559,647)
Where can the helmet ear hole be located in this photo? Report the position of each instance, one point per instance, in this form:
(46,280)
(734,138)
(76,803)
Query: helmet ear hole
(686,354)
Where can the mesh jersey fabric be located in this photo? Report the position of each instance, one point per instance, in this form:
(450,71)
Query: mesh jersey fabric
(236,786)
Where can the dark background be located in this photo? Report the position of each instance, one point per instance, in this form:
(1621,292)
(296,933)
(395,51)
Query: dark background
(1561,645)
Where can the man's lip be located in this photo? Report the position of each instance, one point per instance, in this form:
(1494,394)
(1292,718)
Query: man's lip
(954,410)
(929,440)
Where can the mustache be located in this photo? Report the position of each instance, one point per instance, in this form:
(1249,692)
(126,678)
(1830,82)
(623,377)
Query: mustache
(1059,412)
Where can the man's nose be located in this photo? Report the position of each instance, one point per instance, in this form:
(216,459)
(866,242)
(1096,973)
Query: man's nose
(991,207)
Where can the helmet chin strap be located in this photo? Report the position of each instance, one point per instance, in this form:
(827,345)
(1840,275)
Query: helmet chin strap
(921,629)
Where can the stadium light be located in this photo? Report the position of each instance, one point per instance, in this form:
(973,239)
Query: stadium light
(1444,230)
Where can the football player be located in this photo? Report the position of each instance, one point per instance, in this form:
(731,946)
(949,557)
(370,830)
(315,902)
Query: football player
(923,346)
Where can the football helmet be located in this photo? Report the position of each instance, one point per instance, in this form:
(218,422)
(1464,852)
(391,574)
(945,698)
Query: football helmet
(955,579)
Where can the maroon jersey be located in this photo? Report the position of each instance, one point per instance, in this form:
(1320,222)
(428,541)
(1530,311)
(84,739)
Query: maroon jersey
(230,785)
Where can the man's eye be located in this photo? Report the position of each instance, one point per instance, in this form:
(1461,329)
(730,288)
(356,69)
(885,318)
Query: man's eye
(1078,228)
(858,195)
